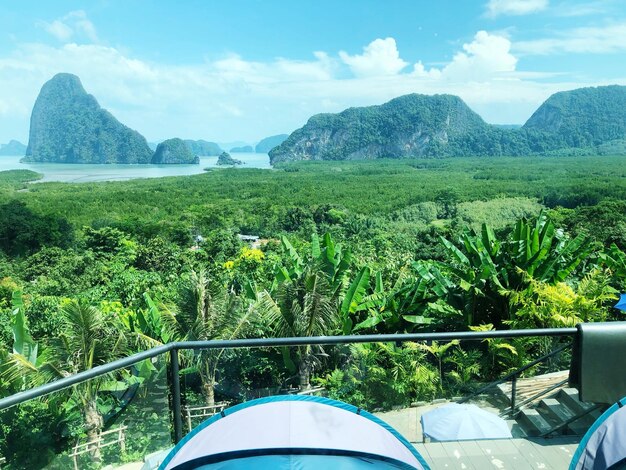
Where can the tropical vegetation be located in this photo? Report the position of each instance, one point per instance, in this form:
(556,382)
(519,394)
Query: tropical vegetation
(92,272)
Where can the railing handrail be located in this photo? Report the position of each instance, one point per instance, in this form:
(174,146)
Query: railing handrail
(104,369)
(514,374)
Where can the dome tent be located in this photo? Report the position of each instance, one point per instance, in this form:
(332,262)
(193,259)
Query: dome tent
(293,431)
(604,445)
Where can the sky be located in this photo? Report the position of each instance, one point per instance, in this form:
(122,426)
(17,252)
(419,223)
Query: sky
(246,69)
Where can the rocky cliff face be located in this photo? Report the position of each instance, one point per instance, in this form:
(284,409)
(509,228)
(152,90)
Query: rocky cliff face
(408,126)
(68,125)
(174,151)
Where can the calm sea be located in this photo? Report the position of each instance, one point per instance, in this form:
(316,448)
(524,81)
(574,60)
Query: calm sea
(77,173)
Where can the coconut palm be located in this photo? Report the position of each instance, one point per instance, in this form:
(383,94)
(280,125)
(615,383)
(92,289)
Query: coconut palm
(302,306)
(207,311)
(88,339)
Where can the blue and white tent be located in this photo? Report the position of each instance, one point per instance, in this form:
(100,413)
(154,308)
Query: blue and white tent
(294,432)
(604,445)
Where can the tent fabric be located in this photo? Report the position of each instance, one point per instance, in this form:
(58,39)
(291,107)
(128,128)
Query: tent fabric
(604,444)
(599,380)
(310,424)
(302,462)
(457,422)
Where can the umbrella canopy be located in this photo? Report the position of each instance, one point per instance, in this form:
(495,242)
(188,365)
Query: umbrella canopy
(621,304)
(454,422)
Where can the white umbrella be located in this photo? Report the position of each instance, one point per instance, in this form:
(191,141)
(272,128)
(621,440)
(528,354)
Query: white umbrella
(454,422)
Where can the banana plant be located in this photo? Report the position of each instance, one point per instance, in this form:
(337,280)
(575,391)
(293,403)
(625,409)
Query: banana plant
(328,256)
(487,270)
(23,344)
(615,260)
(544,253)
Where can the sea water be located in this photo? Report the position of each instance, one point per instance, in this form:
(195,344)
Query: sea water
(86,173)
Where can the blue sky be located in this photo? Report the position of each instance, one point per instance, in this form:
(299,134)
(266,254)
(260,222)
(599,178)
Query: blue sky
(244,69)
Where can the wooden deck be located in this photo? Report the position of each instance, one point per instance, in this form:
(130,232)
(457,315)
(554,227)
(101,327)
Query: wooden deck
(527,453)
(516,453)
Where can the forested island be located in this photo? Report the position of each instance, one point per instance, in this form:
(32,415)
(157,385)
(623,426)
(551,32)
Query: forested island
(587,121)
(68,125)
(174,151)
(13,148)
(242,149)
(267,144)
(225,159)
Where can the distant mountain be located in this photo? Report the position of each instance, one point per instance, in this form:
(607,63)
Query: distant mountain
(203,148)
(174,151)
(68,125)
(585,117)
(152,145)
(267,144)
(244,149)
(584,121)
(13,148)
(230,145)
(408,126)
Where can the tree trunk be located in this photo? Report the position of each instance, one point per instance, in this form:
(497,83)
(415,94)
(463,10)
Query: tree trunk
(93,426)
(304,373)
(209,392)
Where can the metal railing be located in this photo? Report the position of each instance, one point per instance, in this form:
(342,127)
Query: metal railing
(513,376)
(174,368)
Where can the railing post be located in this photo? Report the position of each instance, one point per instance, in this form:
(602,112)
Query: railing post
(513,393)
(175,392)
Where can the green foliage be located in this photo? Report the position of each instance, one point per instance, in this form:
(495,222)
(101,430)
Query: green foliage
(23,230)
(487,270)
(497,213)
(386,264)
(545,305)
(581,118)
(382,375)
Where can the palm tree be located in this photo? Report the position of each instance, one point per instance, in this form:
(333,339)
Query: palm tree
(305,299)
(207,312)
(302,306)
(89,339)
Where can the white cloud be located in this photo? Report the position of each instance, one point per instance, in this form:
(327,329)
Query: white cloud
(59,30)
(514,7)
(74,24)
(488,56)
(569,9)
(234,98)
(379,58)
(594,40)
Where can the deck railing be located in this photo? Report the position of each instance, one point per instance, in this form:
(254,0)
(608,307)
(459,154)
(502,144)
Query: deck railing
(168,356)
